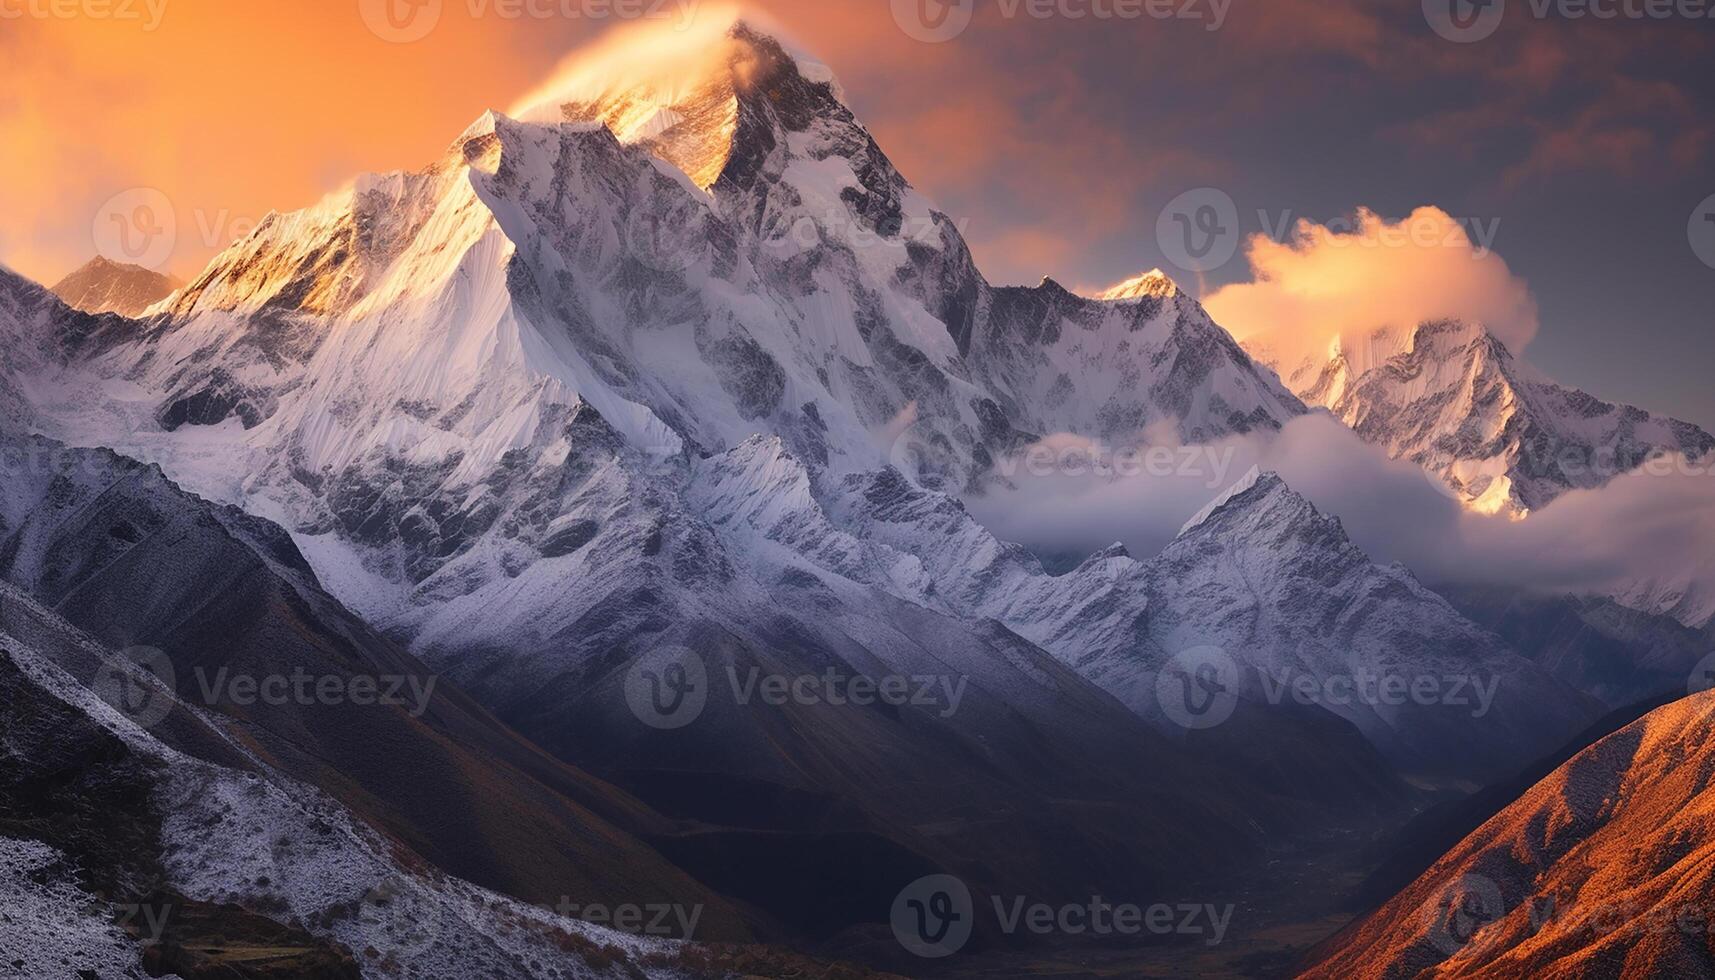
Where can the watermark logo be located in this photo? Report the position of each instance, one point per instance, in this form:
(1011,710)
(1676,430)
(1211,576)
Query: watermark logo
(1702,231)
(1199,688)
(1465,21)
(933,916)
(658,241)
(671,688)
(137,227)
(412,922)
(933,21)
(138,682)
(401,21)
(1454,916)
(1702,676)
(668,688)
(1198,231)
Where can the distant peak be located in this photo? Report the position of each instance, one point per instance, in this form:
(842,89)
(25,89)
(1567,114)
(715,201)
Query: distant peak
(1110,553)
(102,285)
(1256,479)
(1153,284)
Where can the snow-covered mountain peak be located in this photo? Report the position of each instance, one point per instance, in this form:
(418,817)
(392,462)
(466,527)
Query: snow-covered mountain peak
(1261,506)
(1244,483)
(680,90)
(1153,284)
(1450,396)
(104,286)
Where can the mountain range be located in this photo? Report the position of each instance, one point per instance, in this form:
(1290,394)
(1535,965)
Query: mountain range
(672,374)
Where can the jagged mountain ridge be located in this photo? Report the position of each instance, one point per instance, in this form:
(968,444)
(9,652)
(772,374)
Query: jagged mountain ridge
(188,823)
(1601,869)
(810,292)
(104,286)
(563,323)
(1261,575)
(1451,397)
(117,549)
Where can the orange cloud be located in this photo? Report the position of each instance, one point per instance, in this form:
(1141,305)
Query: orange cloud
(1346,283)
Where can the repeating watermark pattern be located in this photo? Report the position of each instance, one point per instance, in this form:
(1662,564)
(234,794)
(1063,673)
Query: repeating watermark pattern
(1457,913)
(224,686)
(412,920)
(1702,676)
(1701,231)
(1470,21)
(36,457)
(798,232)
(141,683)
(1201,231)
(146,13)
(660,919)
(1199,688)
(147,921)
(1381,690)
(1198,231)
(138,227)
(138,682)
(1465,21)
(1631,918)
(670,688)
(940,21)
(1208,465)
(1581,464)
(142,226)
(401,21)
(409,21)
(1099,917)
(933,917)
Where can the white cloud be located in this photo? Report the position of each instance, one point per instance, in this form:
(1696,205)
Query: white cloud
(1656,524)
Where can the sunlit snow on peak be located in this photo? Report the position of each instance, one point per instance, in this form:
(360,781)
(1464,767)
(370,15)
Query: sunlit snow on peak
(1153,284)
(671,86)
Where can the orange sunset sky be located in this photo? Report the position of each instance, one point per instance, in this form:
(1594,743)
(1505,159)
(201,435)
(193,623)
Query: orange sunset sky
(1054,142)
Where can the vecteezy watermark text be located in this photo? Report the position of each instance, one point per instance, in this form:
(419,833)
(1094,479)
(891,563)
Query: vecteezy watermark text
(1470,21)
(934,917)
(148,13)
(406,21)
(1207,464)
(1199,688)
(300,687)
(663,919)
(670,688)
(1376,690)
(1201,230)
(939,21)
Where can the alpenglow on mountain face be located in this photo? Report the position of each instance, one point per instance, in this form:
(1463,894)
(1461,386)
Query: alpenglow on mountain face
(545,360)
(105,286)
(668,372)
(1451,397)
